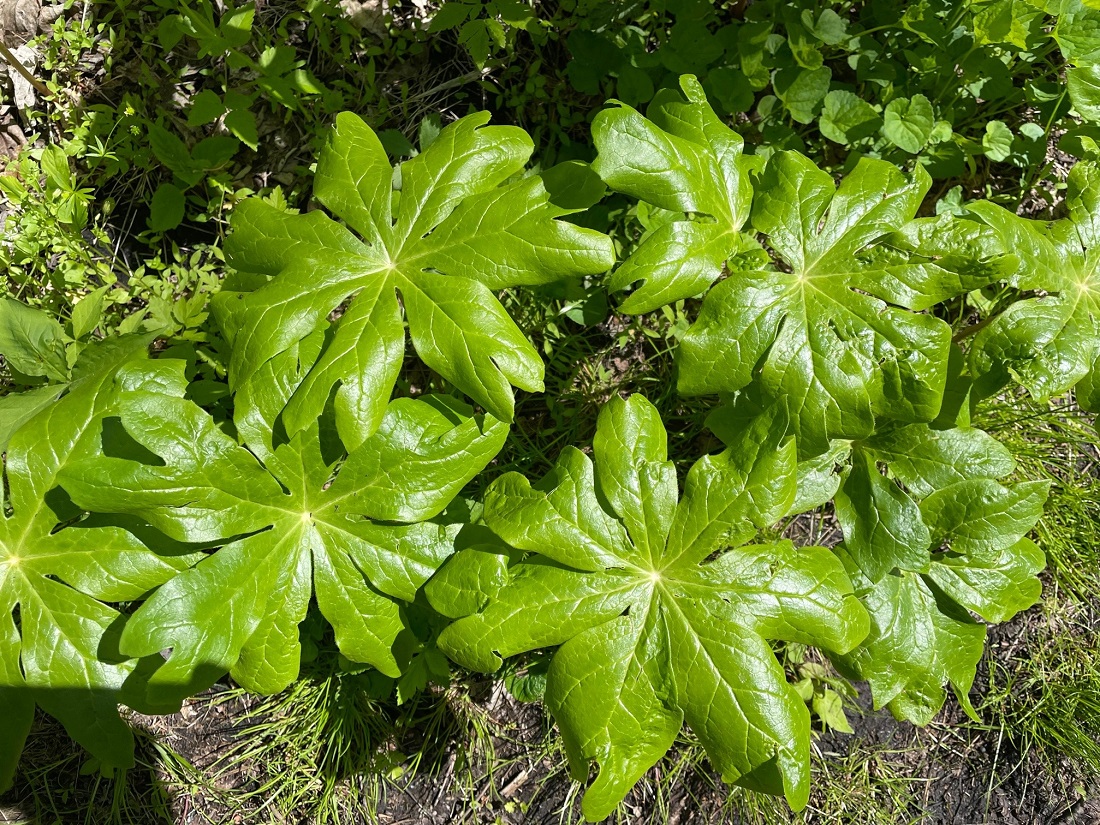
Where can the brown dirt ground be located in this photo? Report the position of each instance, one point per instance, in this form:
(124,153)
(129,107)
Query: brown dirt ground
(950,773)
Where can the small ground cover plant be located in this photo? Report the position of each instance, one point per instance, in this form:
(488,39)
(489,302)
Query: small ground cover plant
(250,468)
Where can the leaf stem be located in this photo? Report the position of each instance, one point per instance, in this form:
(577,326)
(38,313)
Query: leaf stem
(973,329)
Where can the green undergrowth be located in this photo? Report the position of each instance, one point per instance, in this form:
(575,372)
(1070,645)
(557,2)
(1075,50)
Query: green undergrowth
(125,201)
(1044,695)
(330,749)
(60,785)
(592,355)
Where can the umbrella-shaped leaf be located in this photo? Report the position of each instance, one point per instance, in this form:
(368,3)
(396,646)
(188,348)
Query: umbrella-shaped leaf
(460,227)
(1047,343)
(662,613)
(837,329)
(929,533)
(922,635)
(289,529)
(834,331)
(56,630)
(684,159)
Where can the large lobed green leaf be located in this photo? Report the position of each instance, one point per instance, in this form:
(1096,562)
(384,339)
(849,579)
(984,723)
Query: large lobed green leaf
(922,633)
(296,520)
(461,226)
(57,632)
(1077,32)
(681,158)
(922,558)
(838,329)
(1048,343)
(929,534)
(661,611)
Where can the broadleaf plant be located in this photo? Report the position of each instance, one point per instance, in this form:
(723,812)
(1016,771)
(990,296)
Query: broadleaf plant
(930,533)
(922,632)
(45,357)
(822,328)
(1049,340)
(661,610)
(296,518)
(57,629)
(836,328)
(461,224)
(684,159)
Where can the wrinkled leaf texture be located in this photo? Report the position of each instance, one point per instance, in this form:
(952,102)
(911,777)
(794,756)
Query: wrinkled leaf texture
(838,329)
(1049,342)
(929,534)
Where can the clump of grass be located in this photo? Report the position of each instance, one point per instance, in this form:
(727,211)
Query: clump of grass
(329,749)
(865,786)
(1045,695)
(1043,691)
(1069,533)
(1058,444)
(307,746)
(59,783)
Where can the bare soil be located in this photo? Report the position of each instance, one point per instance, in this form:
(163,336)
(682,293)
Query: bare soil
(951,773)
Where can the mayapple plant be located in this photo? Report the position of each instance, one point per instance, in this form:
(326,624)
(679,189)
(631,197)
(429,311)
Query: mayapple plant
(661,605)
(348,528)
(460,222)
(150,547)
(833,319)
(321,487)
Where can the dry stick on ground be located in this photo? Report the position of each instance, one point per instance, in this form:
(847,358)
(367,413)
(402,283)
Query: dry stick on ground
(41,87)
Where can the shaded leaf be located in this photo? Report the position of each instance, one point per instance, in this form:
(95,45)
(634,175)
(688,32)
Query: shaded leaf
(58,580)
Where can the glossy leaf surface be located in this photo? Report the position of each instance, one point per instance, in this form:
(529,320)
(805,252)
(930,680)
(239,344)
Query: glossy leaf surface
(297,519)
(834,331)
(1049,342)
(460,227)
(922,633)
(660,609)
(681,158)
(58,582)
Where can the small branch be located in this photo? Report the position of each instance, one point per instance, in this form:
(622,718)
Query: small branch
(14,62)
